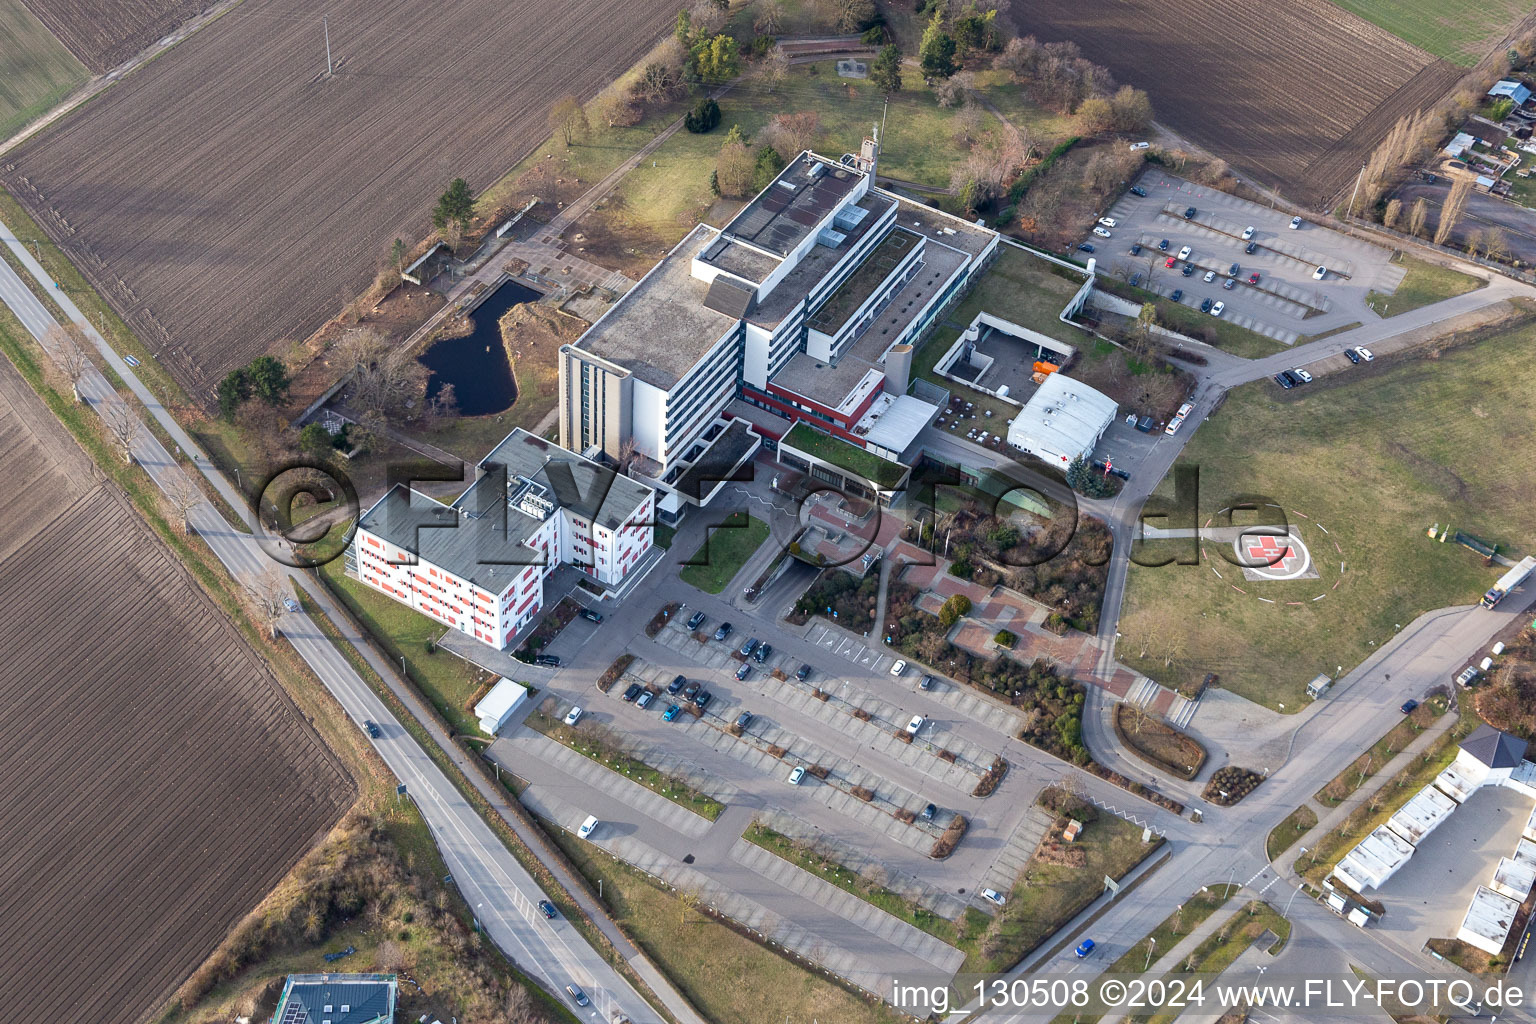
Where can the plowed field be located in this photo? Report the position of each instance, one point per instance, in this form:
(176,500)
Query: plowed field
(1294,94)
(104,33)
(158,783)
(228,195)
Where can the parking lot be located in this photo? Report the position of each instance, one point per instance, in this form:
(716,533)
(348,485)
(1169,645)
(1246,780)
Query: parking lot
(1286,303)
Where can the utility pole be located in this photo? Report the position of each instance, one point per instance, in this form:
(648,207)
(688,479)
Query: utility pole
(1352,196)
(325,24)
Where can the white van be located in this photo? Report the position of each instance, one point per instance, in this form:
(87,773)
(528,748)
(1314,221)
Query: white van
(588,827)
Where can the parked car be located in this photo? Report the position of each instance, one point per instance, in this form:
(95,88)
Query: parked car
(1468,676)
(1108,222)
(548,909)
(1364,352)
(373,729)
(635,690)
(925,683)
(644,700)
(588,827)
(724,631)
(290,604)
(577,995)
(1205,305)
(673,710)
(1251,248)
(677,683)
(803,673)
(898,668)
(1319,273)
(1085,948)
(1170,262)
(1085,247)
(1137,190)
(547,660)
(1302,375)
(748,647)
(1184,253)
(1136,249)
(1218,309)
(691,690)
(574,715)
(590,615)
(796,775)
(1352,356)
(1408,706)
(744,719)
(1210,275)
(1178,293)
(1101,232)
(1253,278)
(929,812)
(695,621)
(993,896)
(1229,283)
(1189,270)
(1234,270)
(1284,380)
(915,725)
(1189,213)
(1295,223)
(1247,232)
(1135,280)
(743,671)
(1141,145)
(702,700)
(1291,378)
(1163,245)
(761,654)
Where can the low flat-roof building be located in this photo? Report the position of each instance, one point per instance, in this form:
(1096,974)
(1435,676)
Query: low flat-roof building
(1513,878)
(1421,815)
(1509,87)
(794,307)
(1489,919)
(1375,859)
(1454,784)
(337,999)
(478,565)
(1062,421)
(497,706)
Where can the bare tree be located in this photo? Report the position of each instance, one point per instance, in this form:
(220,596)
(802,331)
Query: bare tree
(568,119)
(776,68)
(122,425)
(267,592)
(1450,213)
(1474,242)
(444,404)
(792,133)
(67,346)
(1417,216)
(768,18)
(1393,213)
(182,495)
(1495,244)
(688,900)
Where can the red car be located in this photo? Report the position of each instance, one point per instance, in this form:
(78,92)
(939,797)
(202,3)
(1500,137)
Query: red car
(1253,278)
(1170,262)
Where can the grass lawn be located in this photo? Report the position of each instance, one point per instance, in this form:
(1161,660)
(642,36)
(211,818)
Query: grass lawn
(1376,458)
(601,750)
(724,551)
(1284,835)
(1224,946)
(36,71)
(1425,284)
(1393,793)
(1047,896)
(661,199)
(730,978)
(840,453)
(1043,127)
(1382,751)
(1461,31)
(447,681)
(870,892)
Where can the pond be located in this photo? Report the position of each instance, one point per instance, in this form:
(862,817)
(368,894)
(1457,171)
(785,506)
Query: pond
(476,364)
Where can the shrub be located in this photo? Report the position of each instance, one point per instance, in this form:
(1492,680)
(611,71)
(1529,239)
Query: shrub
(860,714)
(989,781)
(946,843)
(946,755)
(954,607)
(703,118)
(1229,784)
(902,734)
(660,619)
(777,752)
(863,793)
(1005,638)
(905,816)
(820,771)
(612,673)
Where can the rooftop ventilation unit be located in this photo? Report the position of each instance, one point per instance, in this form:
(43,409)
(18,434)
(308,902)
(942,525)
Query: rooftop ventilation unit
(817,170)
(849,217)
(829,238)
(531,498)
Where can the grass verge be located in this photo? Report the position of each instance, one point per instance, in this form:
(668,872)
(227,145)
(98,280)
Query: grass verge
(1284,835)
(1392,743)
(1224,946)
(1424,284)
(725,550)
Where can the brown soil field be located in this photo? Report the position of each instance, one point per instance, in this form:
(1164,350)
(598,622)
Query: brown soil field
(1294,94)
(228,195)
(104,33)
(158,781)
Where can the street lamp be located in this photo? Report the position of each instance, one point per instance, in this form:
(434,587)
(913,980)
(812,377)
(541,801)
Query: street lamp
(1286,912)
(1151,945)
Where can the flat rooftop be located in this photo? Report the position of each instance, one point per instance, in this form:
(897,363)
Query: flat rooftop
(586,488)
(861,284)
(743,261)
(661,327)
(725,453)
(1377,855)
(1454,784)
(940,227)
(1490,916)
(815,265)
(489,551)
(1514,878)
(1420,815)
(788,210)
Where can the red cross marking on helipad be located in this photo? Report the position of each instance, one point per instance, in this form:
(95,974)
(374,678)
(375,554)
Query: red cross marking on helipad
(1264,551)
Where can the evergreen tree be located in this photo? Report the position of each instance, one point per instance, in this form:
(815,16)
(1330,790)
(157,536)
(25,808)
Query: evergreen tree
(885,71)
